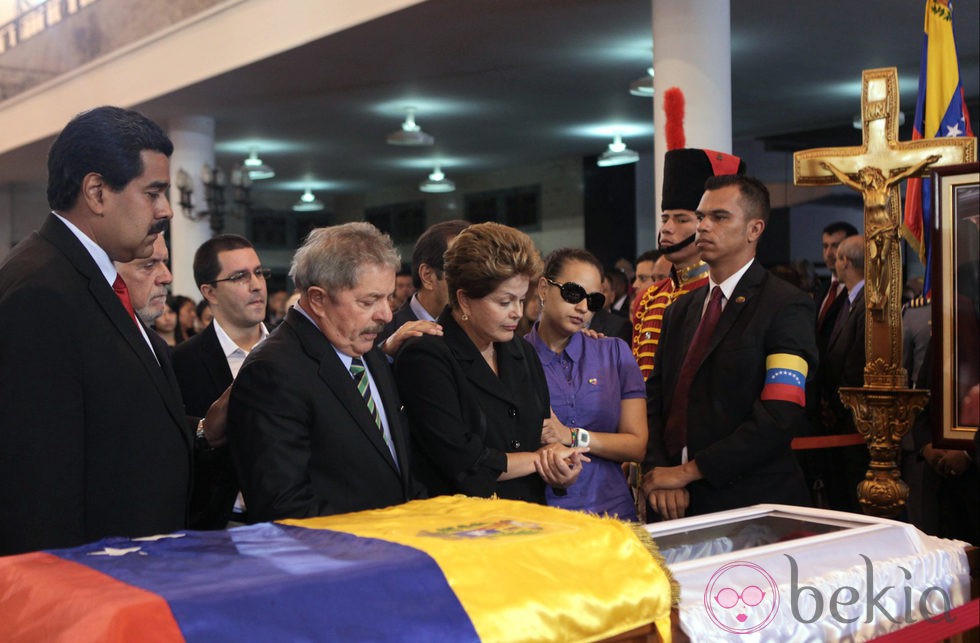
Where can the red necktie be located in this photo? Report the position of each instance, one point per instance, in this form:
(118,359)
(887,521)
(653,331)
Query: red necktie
(119,286)
(675,432)
(828,301)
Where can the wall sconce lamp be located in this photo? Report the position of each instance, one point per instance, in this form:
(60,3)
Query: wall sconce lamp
(214,195)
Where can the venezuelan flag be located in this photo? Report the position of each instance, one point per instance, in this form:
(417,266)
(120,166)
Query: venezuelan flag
(785,378)
(443,569)
(940,110)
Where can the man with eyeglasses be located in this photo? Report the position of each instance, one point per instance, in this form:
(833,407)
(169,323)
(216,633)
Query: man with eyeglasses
(231,278)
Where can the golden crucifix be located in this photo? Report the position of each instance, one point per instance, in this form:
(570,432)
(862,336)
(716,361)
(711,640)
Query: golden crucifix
(883,407)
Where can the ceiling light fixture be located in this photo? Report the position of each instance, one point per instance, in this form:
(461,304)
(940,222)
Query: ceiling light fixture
(256,169)
(437,183)
(410,133)
(617,154)
(308,203)
(643,87)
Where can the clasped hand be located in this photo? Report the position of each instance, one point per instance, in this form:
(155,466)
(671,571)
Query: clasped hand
(559,465)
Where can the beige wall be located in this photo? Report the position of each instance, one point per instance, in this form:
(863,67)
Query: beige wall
(93,31)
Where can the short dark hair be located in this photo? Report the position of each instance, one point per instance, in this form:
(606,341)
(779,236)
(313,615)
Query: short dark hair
(649,255)
(556,260)
(754,194)
(616,275)
(206,264)
(431,247)
(841,226)
(105,140)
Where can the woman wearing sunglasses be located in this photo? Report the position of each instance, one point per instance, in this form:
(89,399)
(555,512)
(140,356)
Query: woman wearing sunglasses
(596,388)
(476,397)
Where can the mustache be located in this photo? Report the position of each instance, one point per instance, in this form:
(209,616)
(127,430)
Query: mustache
(159,227)
(373,330)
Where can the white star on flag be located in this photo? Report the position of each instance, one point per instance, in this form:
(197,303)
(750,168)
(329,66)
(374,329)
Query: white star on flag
(953,130)
(116,551)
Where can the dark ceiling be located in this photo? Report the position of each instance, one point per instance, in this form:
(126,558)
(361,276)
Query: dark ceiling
(506,83)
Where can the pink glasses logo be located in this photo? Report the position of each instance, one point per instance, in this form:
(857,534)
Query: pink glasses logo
(741,598)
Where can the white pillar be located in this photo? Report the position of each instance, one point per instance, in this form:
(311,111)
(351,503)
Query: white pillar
(193,139)
(692,51)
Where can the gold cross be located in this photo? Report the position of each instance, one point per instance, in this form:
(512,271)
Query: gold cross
(875,169)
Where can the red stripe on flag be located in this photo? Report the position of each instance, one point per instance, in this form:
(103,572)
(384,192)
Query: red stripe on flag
(784,393)
(46,598)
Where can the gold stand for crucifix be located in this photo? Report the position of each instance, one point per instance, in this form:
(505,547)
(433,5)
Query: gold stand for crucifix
(884,407)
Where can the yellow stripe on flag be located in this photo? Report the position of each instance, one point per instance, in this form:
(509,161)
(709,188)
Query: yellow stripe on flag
(527,572)
(786,360)
(943,72)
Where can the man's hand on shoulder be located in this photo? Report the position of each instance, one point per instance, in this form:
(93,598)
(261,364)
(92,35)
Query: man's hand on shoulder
(407,330)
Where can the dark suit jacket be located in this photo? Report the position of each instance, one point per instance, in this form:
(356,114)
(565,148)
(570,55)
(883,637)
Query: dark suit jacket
(464,419)
(401,317)
(824,329)
(612,325)
(93,437)
(843,365)
(741,443)
(203,374)
(302,439)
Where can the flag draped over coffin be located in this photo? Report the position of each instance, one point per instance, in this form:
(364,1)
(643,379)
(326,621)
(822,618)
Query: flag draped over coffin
(448,568)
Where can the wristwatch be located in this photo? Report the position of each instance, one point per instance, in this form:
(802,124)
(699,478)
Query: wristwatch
(580,437)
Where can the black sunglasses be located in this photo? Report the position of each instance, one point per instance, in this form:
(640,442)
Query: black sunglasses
(243,276)
(573,293)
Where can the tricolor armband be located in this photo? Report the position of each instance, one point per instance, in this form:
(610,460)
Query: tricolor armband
(785,378)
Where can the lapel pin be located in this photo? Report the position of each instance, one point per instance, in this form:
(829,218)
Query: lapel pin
(593,381)
(740,299)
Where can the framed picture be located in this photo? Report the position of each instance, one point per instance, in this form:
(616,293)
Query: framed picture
(955,400)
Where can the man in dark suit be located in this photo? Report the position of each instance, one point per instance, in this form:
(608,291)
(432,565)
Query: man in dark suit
(315,424)
(231,279)
(829,297)
(93,437)
(418,315)
(843,365)
(726,395)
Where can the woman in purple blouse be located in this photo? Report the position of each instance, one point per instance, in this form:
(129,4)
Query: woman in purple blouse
(597,393)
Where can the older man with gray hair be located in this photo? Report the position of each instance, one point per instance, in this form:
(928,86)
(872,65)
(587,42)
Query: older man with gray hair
(315,422)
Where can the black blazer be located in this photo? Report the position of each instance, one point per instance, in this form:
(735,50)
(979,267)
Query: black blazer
(93,437)
(612,325)
(843,365)
(824,329)
(203,374)
(464,419)
(741,443)
(302,439)
(401,317)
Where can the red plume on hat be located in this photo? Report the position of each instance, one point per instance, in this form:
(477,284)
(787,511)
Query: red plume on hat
(674,123)
(686,169)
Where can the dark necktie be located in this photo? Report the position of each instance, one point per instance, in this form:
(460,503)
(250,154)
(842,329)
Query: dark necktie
(364,388)
(828,301)
(675,432)
(119,287)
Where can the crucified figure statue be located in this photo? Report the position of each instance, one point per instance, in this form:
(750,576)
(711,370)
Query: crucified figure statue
(882,230)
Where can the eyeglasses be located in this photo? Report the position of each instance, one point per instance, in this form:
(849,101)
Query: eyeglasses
(243,276)
(573,293)
(751,596)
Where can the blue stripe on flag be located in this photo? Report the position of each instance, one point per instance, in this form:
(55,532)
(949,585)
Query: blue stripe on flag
(271,582)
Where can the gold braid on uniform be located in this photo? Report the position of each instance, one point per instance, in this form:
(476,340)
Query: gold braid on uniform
(649,317)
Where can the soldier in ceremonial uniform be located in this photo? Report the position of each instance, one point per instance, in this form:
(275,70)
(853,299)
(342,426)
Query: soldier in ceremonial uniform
(685,171)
